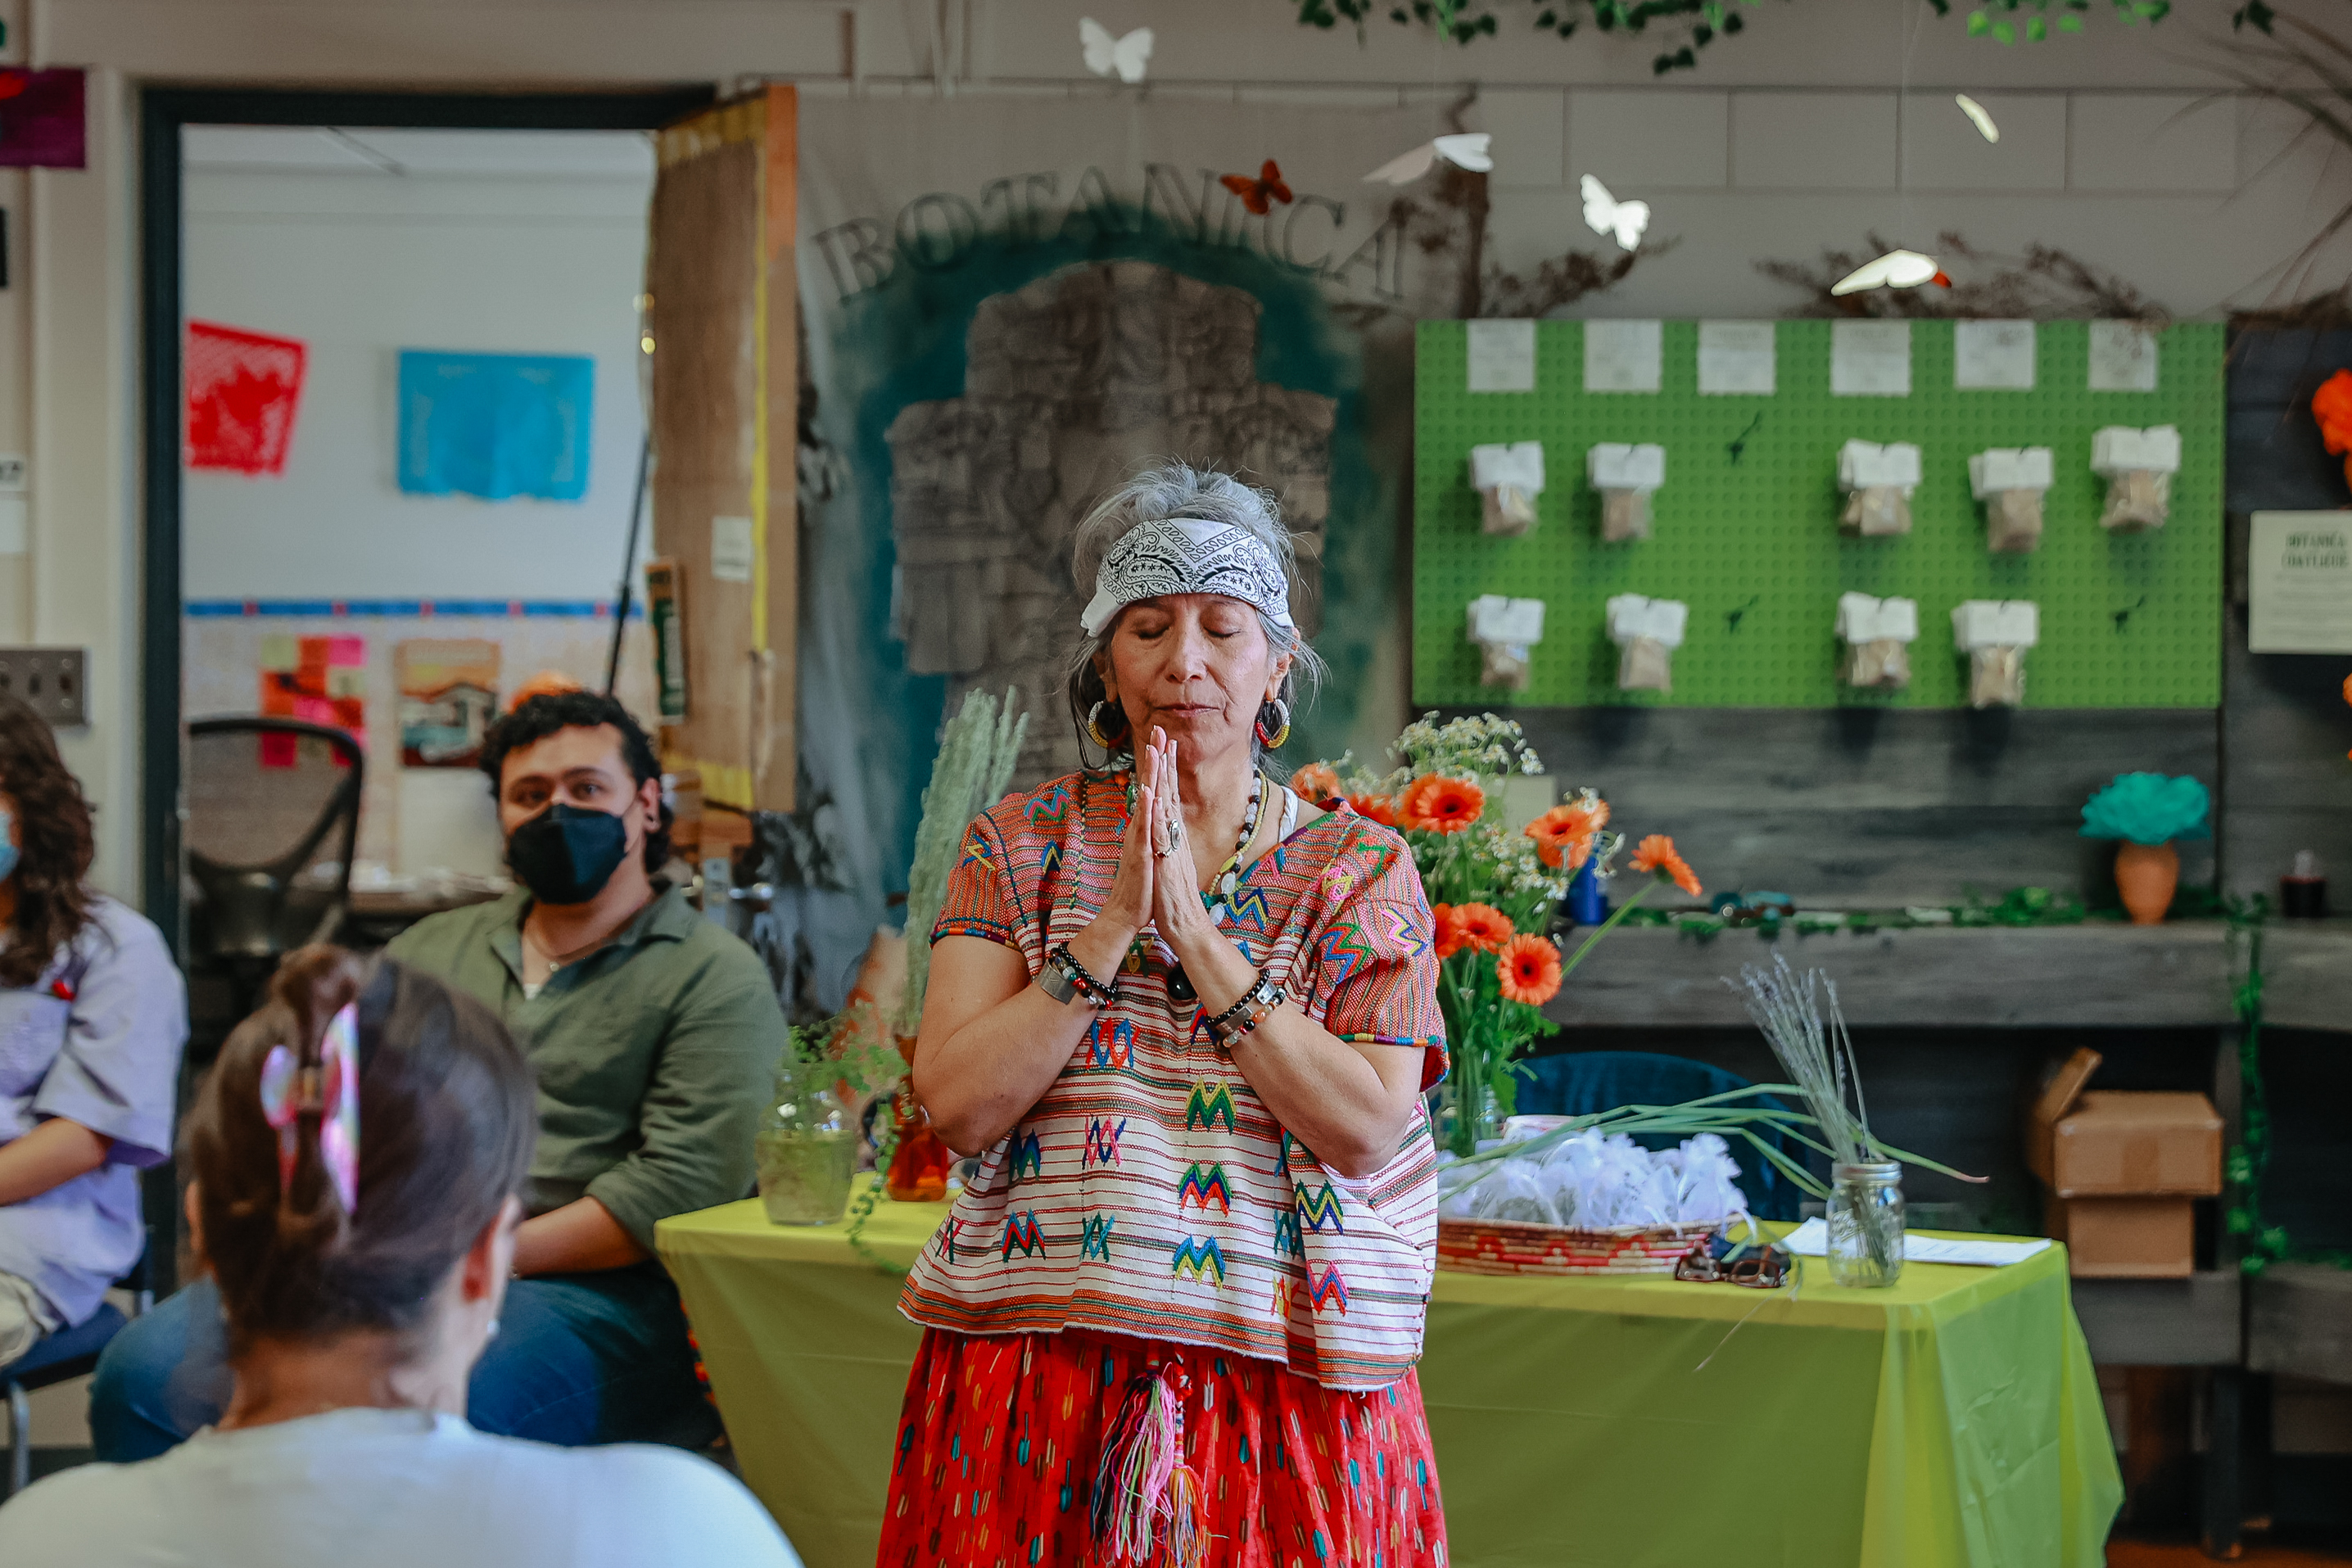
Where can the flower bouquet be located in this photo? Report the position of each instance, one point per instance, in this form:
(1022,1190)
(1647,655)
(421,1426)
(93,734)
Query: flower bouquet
(1493,891)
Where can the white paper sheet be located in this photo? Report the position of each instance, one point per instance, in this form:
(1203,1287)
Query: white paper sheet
(2299,582)
(731,555)
(2123,357)
(1501,356)
(1992,356)
(1812,1239)
(1736,359)
(1624,356)
(1870,359)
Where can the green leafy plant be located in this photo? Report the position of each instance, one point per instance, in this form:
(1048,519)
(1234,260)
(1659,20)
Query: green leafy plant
(1683,27)
(2000,19)
(2148,808)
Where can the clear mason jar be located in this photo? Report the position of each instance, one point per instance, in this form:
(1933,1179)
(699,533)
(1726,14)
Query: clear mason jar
(1865,1221)
(806,1148)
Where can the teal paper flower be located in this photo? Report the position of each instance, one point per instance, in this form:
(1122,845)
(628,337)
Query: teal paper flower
(2147,808)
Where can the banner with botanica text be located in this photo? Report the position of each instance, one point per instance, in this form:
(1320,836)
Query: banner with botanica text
(1012,303)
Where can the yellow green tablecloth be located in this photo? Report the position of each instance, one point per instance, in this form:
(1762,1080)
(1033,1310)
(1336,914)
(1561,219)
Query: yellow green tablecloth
(1953,1419)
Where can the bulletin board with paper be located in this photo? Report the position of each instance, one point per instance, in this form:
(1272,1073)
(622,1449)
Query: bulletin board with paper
(1745,528)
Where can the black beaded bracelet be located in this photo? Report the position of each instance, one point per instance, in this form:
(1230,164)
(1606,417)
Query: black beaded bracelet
(1084,984)
(1262,990)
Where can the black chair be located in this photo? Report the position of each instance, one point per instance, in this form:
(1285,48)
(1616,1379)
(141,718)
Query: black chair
(273,818)
(66,1354)
(1579,1084)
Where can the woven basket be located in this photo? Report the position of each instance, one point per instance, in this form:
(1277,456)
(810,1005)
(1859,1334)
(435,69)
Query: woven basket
(1515,1246)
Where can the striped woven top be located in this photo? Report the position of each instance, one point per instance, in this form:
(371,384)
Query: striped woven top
(1150,1191)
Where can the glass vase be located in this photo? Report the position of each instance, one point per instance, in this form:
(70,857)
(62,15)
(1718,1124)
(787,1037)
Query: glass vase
(1468,1115)
(806,1148)
(1865,1224)
(919,1165)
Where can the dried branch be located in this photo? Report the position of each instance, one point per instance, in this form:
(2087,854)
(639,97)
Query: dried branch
(2045,284)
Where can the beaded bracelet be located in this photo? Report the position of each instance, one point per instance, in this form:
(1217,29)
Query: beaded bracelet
(1261,991)
(1240,1031)
(1084,984)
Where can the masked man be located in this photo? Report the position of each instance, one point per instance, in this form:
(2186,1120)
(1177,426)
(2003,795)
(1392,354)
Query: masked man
(653,1035)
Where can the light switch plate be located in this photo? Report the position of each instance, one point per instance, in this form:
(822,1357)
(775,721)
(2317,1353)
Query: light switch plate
(52,682)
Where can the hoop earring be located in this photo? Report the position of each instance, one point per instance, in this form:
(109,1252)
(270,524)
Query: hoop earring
(1281,724)
(1094,727)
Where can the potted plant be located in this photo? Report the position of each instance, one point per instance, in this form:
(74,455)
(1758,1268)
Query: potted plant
(2144,812)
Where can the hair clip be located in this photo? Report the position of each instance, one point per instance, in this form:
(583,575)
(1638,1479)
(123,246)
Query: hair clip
(330,1092)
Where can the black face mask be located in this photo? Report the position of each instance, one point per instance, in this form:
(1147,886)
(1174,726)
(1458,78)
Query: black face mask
(566,855)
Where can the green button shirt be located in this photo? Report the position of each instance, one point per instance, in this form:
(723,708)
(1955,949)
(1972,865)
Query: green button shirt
(654,1053)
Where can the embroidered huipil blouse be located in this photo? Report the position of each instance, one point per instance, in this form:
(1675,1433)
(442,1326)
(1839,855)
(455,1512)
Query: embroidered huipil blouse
(1150,1191)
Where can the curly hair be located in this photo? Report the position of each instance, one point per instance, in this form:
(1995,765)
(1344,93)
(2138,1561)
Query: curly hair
(54,844)
(537,717)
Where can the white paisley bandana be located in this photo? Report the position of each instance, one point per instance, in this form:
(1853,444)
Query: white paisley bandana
(1187,555)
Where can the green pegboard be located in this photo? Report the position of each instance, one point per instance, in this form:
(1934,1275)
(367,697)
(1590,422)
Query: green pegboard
(1752,544)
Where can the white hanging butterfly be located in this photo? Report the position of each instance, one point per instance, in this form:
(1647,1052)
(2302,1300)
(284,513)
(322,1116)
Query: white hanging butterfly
(1605,214)
(1466,150)
(1104,53)
(1896,269)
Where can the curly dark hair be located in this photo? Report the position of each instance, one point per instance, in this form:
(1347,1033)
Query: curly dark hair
(536,718)
(54,844)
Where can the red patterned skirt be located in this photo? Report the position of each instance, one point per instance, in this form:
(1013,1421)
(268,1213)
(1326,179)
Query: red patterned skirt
(1000,1446)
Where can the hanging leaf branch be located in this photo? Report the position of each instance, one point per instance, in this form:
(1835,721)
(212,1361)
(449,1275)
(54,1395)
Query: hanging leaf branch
(1996,19)
(1683,27)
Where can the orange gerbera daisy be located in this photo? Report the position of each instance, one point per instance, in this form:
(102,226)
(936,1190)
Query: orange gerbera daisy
(1656,853)
(1447,928)
(1315,783)
(1564,834)
(1529,970)
(1436,804)
(1483,927)
(1378,808)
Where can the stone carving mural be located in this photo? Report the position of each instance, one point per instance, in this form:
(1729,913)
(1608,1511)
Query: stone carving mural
(1071,383)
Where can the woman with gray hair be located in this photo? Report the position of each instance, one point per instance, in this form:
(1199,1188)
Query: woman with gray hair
(1189,1017)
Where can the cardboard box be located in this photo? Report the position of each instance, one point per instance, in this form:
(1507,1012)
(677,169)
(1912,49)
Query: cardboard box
(2092,1143)
(2125,1237)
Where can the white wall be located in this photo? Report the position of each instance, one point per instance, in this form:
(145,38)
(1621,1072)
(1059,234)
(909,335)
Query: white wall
(1775,146)
(539,251)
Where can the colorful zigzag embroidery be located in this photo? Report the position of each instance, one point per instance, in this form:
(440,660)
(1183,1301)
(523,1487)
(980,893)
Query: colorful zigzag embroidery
(1102,1142)
(1287,1235)
(1020,1232)
(1111,1044)
(1401,928)
(1094,1241)
(1201,1185)
(1028,1159)
(1344,950)
(1329,1290)
(1200,1260)
(1320,1208)
(1209,1102)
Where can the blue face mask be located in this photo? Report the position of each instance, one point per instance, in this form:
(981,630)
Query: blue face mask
(7,844)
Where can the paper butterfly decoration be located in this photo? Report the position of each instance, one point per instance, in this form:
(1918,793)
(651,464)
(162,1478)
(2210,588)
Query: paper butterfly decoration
(330,1092)
(1896,269)
(1605,214)
(1466,151)
(1978,117)
(1104,53)
(1259,195)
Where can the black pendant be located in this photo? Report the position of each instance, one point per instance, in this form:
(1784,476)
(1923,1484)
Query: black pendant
(1179,986)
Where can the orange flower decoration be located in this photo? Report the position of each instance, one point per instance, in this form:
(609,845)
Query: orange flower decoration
(1440,805)
(1378,808)
(1314,783)
(1446,927)
(1529,970)
(1483,927)
(1656,854)
(1564,834)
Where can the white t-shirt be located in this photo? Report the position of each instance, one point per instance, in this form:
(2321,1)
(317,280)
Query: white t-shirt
(392,1488)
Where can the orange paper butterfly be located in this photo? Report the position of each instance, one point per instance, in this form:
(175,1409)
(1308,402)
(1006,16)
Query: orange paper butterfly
(1259,195)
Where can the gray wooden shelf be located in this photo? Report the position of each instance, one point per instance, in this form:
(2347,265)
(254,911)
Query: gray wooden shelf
(2300,1322)
(2095,974)
(2307,973)
(2163,1322)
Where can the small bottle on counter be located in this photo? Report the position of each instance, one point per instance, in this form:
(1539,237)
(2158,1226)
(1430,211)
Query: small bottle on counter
(2303,891)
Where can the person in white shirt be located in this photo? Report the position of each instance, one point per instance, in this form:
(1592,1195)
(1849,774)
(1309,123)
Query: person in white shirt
(356,1155)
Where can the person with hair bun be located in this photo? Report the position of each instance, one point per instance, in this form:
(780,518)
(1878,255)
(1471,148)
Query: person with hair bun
(655,1035)
(92,1019)
(355,1163)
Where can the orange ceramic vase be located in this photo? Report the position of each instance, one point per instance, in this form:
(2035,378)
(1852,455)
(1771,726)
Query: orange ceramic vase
(2145,875)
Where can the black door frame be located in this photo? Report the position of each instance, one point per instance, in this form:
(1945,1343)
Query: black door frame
(163,110)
